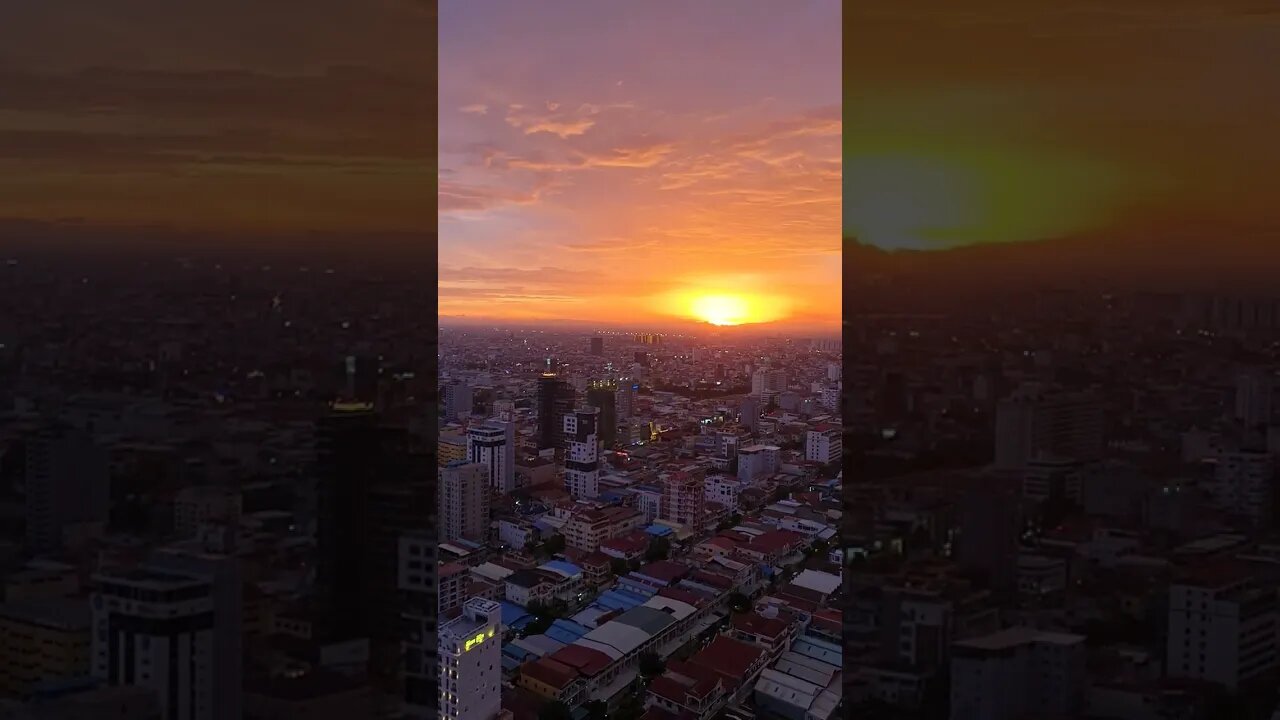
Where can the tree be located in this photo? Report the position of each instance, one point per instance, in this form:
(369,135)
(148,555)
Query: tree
(739,602)
(554,545)
(554,710)
(651,665)
(618,566)
(730,522)
(597,710)
(659,549)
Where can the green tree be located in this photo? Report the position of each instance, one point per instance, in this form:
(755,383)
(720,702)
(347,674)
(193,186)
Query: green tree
(618,566)
(739,602)
(651,665)
(554,710)
(554,545)
(659,549)
(597,710)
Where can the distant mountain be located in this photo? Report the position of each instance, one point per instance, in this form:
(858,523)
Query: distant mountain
(1191,256)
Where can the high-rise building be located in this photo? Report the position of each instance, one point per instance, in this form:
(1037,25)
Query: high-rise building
(684,497)
(1036,423)
(360,375)
(211,557)
(418,584)
(464,501)
(493,445)
(625,398)
(458,397)
(155,629)
(450,447)
(1018,673)
(68,484)
(470,650)
(1222,625)
(356,456)
(597,346)
(1243,484)
(1254,390)
(990,524)
(767,383)
(582,454)
(604,397)
(556,399)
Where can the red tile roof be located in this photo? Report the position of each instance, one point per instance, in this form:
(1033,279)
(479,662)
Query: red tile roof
(548,671)
(665,570)
(757,624)
(585,660)
(728,657)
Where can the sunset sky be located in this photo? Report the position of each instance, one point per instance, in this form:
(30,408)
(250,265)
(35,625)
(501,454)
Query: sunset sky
(623,162)
(212,115)
(1007,120)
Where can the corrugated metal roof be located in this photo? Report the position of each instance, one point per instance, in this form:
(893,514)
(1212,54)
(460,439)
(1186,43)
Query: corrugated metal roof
(651,620)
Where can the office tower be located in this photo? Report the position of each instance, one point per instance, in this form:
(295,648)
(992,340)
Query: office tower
(1254,390)
(749,412)
(360,375)
(990,523)
(1222,625)
(766,383)
(625,398)
(1035,423)
(458,397)
(355,454)
(556,399)
(684,498)
(155,628)
(642,359)
(211,557)
(471,662)
(41,639)
(464,501)
(597,346)
(67,485)
(894,399)
(823,444)
(490,445)
(582,454)
(604,397)
(1017,673)
(394,509)
(758,461)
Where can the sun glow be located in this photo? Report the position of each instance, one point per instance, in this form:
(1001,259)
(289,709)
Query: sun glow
(726,309)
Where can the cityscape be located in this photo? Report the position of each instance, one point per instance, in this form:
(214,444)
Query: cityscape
(576,360)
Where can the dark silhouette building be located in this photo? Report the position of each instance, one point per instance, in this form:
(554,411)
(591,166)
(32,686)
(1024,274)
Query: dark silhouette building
(604,398)
(556,398)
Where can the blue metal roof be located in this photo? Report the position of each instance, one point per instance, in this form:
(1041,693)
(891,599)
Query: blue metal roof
(562,566)
(565,631)
(514,616)
(659,530)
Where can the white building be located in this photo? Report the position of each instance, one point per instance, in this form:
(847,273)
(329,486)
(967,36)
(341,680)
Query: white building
(767,383)
(464,501)
(823,445)
(493,445)
(155,629)
(1017,673)
(1222,626)
(723,490)
(471,662)
(582,453)
(757,461)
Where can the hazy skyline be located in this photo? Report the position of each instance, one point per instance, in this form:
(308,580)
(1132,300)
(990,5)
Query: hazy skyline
(1005,121)
(234,117)
(597,159)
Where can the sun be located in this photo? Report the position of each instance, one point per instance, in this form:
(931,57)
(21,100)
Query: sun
(723,310)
